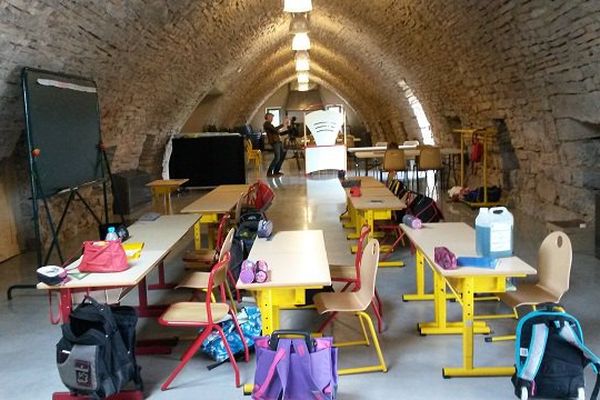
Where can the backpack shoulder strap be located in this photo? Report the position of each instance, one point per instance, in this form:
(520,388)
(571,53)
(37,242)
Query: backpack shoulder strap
(535,352)
(573,338)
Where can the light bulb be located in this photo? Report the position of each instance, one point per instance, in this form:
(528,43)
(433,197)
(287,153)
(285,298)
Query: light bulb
(302,65)
(301,41)
(303,77)
(297,6)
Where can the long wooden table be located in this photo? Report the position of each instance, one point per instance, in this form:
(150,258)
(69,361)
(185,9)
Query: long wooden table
(375,203)
(464,283)
(211,206)
(159,237)
(297,261)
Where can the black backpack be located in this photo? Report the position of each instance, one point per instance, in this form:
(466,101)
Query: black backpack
(96,355)
(424,208)
(550,355)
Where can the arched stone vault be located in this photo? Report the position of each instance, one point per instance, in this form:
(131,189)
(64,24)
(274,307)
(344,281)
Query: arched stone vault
(530,68)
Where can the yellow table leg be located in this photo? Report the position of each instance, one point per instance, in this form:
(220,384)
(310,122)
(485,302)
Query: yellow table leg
(468,330)
(420,294)
(440,325)
(197,236)
(269,312)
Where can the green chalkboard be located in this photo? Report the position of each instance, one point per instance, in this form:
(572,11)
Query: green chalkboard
(63,121)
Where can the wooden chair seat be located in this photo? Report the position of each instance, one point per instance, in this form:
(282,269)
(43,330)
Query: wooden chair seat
(200,256)
(342,272)
(528,294)
(191,313)
(339,302)
(195,280)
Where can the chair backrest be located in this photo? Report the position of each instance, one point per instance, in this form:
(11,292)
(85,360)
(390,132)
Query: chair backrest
(393,160)
(554,263)
(430,158)
(221,231)
(226,247)
(216,278)
(381,144)
(248,146)
(362,240)
(368,265)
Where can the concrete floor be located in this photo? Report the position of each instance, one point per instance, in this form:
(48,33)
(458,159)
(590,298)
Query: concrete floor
(27,368)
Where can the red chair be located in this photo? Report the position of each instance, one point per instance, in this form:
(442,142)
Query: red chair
(204,259)
(351,276)
(205,315)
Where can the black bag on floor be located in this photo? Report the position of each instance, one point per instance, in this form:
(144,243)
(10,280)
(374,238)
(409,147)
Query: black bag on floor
(96,355)
(425,208)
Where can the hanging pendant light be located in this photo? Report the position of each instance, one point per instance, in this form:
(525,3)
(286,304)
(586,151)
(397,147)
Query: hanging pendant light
(299,24)
(297,6)
(302,55)
(303,87)
(303,77)
(302,65)
(301,41)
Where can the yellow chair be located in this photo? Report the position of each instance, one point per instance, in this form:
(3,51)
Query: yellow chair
(357,302)
(252,155)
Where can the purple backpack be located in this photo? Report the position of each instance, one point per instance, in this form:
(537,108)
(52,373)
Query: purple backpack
(295,369)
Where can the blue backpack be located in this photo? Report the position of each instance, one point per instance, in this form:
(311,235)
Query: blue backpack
(550,355)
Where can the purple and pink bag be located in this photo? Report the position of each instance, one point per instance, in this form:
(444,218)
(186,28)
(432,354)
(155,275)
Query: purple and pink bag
(295,368)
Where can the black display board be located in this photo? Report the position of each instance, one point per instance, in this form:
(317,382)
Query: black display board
(63,121)
(208,160)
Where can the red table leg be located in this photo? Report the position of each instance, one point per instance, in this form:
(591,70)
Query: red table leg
(161,280)
(152,346)
(65,305)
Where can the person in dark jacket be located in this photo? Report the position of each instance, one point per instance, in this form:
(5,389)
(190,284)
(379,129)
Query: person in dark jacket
(279,153)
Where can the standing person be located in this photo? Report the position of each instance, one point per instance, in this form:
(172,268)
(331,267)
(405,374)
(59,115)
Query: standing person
(273,137)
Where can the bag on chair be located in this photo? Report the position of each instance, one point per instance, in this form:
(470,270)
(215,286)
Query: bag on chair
(295,369)
(103,256)
(96,354)
(550,355)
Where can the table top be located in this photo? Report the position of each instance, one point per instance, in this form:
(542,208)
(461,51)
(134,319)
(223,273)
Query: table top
(167,182)
(459,238)
(159,237)
(379,148)
(243,187)
(408,154)
(366,181)
(376,199)
(217,201)
(295,259)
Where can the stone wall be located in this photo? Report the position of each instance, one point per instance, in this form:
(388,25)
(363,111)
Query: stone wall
(531,67)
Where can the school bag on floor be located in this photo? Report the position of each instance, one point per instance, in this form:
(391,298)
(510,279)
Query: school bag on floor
(96,354)
(550,356)
(295,369)
(424,208)
(250,324)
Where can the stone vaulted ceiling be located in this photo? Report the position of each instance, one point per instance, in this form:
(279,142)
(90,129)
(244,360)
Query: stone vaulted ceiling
(532,67)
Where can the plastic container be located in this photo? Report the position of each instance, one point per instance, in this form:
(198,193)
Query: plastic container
(412,221)
(494,232)
(111,234)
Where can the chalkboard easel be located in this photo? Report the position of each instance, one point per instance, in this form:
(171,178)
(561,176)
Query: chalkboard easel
(62,121)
